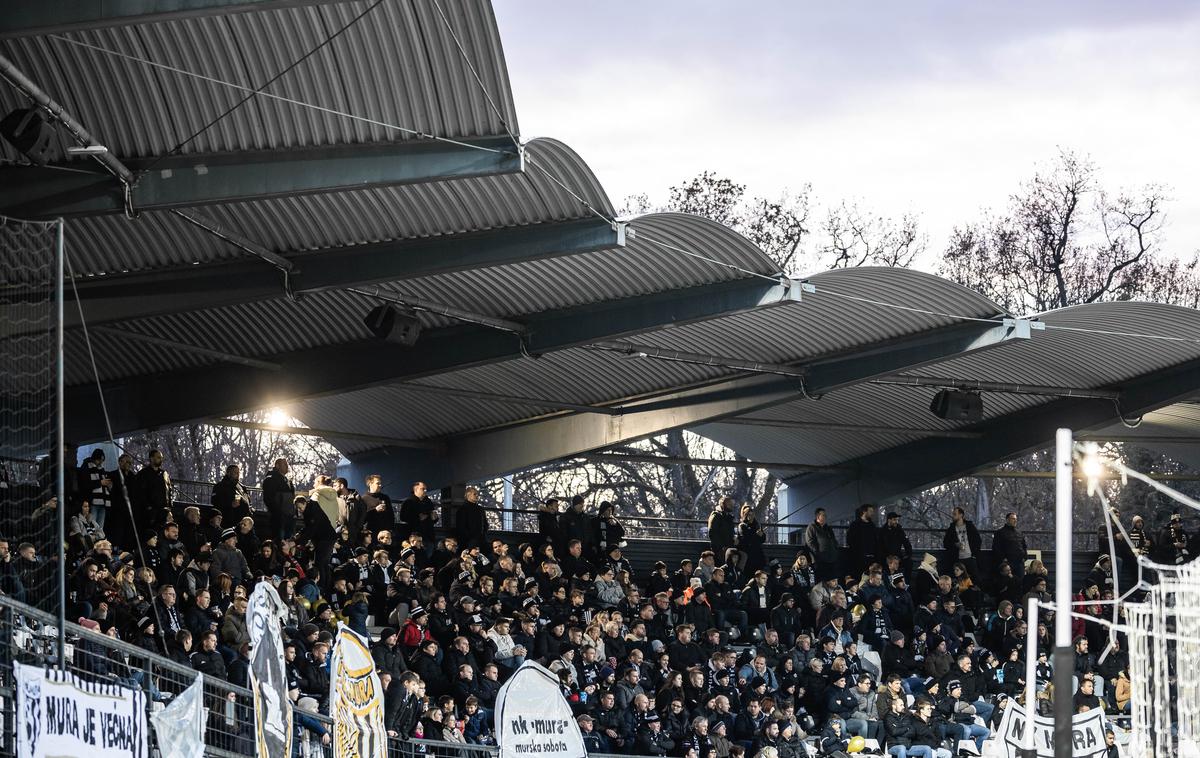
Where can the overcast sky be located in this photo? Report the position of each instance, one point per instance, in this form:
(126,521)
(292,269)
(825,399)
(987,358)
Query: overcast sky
(938,108)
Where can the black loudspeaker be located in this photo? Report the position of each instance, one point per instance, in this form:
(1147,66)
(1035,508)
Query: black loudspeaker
(956,405)
(26,130)
(387,323)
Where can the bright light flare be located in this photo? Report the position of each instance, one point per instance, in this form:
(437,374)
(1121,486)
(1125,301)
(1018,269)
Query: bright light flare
(278,418)
(1092,467)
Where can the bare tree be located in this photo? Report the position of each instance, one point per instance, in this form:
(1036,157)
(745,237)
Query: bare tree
(1064,240)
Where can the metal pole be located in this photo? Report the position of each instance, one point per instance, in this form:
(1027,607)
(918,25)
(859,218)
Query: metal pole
(1064,656)
(60,488)
(1028,749)
(506,518)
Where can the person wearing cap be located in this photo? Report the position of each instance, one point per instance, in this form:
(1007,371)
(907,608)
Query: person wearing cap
(608,591)
(865,719)
(415,630)
(893,540)
(1174,546)
(227,559)
(833,739)
(650,739)
(593,741)
(959,715)
(424,663)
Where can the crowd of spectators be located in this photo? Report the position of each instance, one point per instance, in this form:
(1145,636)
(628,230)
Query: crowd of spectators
(725,654)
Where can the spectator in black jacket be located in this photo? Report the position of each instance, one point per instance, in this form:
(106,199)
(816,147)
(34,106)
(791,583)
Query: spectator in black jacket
(380,515)
(962,543)
(894,541)
(403,706)
(1008,544)
(229,496)
(152,491)
(207,660)
(319,532)
(862,541)
(279,495)
(470,522)
(417,515)
(721,527)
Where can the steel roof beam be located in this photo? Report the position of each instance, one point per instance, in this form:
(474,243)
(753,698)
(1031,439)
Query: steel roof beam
(194,180)
(916,466)
(123,297)
(24,19)
(186,395)
(477,456)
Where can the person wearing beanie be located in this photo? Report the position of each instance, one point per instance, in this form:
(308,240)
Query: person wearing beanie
(388,656)
(650,738)
(227,559)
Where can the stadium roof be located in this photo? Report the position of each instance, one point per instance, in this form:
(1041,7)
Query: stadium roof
(384,164)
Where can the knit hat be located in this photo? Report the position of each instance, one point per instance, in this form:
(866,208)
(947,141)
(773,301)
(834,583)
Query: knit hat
(650,717)
(416,612)
(144,623)
(406,552)
(228,533)
(91,624)
(606,672)
(476,619)
(953,684)
(359,551)
(896,635)
(386,632)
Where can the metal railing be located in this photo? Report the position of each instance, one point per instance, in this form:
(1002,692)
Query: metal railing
(683,529)
(32,638)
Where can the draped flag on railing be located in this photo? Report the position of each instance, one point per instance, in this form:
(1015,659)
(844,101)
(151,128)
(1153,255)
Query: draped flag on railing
(355,699)
(179,728)
(268,678)
(59,713)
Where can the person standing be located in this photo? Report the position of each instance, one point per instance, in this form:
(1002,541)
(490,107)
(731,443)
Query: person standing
(381,515)
(152,493)
(95,485)
(547,519)
(822,543)
(862,541)
(279,495)
(417,515)
(352,512)
(721,527)
(1008,544)
(319,531)
(470,523)
(962,543)
(894,541)
(230,498)
(751,536)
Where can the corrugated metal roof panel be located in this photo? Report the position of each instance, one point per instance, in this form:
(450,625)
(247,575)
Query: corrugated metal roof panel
(576,376)
(397,65)
(107,244)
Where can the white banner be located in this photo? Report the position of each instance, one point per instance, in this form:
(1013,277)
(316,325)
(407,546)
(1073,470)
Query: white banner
(534,719)
(268,679)
(1087,733)
(60,714)
(180,726)
(355,699)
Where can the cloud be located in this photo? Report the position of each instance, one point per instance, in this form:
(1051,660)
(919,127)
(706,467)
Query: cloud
(940,110)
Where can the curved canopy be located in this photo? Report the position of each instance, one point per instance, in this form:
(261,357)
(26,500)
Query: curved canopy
(380,162)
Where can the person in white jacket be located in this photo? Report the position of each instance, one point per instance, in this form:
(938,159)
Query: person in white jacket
(508,653)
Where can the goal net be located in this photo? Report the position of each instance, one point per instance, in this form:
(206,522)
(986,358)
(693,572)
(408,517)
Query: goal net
(1160,618)
(29,359)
